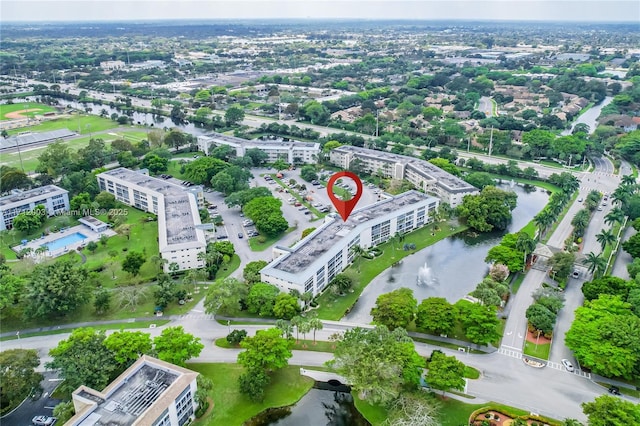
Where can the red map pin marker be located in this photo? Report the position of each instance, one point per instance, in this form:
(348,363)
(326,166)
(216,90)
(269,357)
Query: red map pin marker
(344,207)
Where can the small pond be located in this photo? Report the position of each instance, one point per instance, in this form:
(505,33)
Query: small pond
(323,405)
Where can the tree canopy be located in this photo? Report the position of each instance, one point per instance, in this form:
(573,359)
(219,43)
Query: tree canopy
(395,309)
(378,363)
(18,375)
(177,347)
(489,210)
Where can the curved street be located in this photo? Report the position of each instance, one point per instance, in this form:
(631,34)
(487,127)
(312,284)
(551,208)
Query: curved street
(505,378)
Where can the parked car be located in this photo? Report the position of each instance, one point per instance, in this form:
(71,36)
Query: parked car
(44,420)
(614,390)
(298,204)
(567,364)
(221,237)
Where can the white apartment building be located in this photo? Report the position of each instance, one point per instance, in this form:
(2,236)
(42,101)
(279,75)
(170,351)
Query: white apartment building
(291,152)
(112,65)
(180,236)
(422,174)
(53,198)
(314,261)
(150,393)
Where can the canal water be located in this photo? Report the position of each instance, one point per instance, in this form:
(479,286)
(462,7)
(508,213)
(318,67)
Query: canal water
(145,119)
(590,116)
(451,268)
(318,407)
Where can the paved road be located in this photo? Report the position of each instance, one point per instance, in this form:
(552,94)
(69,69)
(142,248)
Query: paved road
(485,104)
(42,406)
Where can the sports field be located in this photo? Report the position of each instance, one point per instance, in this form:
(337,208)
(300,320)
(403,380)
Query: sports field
(30,155)
(16,111)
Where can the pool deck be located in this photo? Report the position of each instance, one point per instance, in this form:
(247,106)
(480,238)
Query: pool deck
(38,242)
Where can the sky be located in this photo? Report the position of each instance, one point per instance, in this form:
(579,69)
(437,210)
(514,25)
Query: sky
(492,10)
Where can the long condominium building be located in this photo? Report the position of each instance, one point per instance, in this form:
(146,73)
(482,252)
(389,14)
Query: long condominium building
(149,393)
(313,262)
(291,151)
(422,174)
(54,199)
(180,237)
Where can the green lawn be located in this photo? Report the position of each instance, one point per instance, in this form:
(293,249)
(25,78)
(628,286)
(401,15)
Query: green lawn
(231,408)
(39,109)
(85,124)
(517,283)
(174,169)
(119,326)
(301,345)
(263,242)
(623,390)
(542,351)
(471,373)
(30,156)
(334,307)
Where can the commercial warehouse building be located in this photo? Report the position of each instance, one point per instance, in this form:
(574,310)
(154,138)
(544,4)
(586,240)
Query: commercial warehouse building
(180,234)
(53,198)
(422,174)
(313,262)
(150,392)
(291,152)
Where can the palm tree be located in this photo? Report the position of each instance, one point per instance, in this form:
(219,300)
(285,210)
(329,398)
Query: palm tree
(357,251)
(543,220)
(304,327)
(526,244)
(316,325)
(622,194)
(595,263)
(296,322)
(605,237)
(286,327)
(628,180)
(580,221)
(616,215)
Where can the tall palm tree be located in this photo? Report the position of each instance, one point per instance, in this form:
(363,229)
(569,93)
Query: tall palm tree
(316,325)
(580,221)
(526,244)
(286,327)
(628,180)
(622,194)
(543,220)
(605,237)
(595,262)
(615,215)
(357,251)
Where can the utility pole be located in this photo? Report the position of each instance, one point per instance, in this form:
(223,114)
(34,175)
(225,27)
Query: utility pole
(468,143)
(570,156)
(491,142)
(377,114)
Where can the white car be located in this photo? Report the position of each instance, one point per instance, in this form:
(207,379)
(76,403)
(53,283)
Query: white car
(43,420)
(567,364)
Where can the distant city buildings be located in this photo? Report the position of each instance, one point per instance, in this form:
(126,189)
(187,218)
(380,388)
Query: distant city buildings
(313,262)
(150,392)
(112,65)
(291,151)
(54,199)
(180,234)
(422,174)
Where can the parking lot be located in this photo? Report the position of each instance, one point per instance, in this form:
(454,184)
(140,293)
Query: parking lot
(237,229)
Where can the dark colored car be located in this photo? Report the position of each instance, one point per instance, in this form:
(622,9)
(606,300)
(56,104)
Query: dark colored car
(614,390)
(240,235)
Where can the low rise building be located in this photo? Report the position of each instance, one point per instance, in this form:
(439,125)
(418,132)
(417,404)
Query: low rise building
(289,151)
(180,234)
(112,65)
(150,392)
(422,174)
(313,262)
(54,199)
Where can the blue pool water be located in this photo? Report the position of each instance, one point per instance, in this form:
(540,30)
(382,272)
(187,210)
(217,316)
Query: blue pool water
(64,241)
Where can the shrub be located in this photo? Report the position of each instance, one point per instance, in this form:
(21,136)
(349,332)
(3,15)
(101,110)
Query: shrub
(236,336)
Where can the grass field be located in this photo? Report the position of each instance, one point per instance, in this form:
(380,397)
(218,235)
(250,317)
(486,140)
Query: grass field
(38,109)
(541,351)
(84,124)
(119,326)
(30,155)
(232,408)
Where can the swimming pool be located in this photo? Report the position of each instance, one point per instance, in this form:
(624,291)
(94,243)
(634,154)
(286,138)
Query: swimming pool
(64,241)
